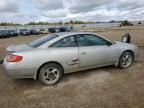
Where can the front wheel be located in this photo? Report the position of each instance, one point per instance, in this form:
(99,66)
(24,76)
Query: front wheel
(50,74)
(126,60)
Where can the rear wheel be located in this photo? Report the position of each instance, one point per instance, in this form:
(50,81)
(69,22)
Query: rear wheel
(126,60)
(50,74)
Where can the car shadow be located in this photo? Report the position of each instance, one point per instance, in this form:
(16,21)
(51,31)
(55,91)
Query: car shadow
(71,76)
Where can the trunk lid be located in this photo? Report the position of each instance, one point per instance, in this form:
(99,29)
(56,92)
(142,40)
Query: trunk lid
(16,48)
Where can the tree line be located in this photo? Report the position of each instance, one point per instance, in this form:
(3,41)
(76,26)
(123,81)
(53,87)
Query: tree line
(59,23)
(8,24)
(45,23)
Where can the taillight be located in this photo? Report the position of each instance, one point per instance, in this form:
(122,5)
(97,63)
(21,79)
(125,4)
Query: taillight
(13,58)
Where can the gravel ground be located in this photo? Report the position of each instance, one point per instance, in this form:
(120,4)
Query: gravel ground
(107,87)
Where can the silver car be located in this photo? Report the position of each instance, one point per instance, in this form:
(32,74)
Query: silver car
(51,56)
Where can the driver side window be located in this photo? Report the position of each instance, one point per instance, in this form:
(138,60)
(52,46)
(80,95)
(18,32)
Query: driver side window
(90,40)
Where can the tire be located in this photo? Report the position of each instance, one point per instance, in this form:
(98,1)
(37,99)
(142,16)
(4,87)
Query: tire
(50,74)
(126,60)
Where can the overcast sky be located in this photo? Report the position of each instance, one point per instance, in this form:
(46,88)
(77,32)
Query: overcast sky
(23,11)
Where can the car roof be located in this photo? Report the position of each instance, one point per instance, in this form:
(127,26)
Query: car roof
(72,33)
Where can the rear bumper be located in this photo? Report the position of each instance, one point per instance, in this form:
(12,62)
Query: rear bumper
(15,72)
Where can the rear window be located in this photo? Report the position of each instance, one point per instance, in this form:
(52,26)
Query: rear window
(42,40)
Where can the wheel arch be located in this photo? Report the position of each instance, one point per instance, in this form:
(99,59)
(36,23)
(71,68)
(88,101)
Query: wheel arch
(130,52)
(59,64)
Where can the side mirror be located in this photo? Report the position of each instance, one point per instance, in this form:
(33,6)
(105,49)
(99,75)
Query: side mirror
(109,43)
(126,38)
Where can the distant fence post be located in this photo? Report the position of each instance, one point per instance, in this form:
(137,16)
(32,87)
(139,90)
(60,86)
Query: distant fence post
(47,26)
(16,27)
(25,26)
(33,26)
(41,26)
(5,27)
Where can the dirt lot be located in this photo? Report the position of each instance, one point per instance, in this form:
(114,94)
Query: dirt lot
(107,87)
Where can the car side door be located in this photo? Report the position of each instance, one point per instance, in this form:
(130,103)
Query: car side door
(67,49)
(95,51)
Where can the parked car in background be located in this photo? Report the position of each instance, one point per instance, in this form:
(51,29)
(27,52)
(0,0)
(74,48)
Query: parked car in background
(64,29)
(4,34)
(54,30)
(51,56)
(43,31)
(24,32)
(34,32)
(12,32)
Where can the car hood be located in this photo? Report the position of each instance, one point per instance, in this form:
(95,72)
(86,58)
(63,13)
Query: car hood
(16,48)
(122,44)
(118,42)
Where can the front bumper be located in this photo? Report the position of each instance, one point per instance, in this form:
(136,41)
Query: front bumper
(136,53)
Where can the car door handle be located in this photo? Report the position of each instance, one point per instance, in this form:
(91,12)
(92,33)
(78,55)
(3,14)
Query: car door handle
(83,53)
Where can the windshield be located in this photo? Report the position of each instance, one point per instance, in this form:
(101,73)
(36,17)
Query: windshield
(42,40)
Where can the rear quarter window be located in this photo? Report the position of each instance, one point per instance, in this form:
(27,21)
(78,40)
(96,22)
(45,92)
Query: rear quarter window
(40,41)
